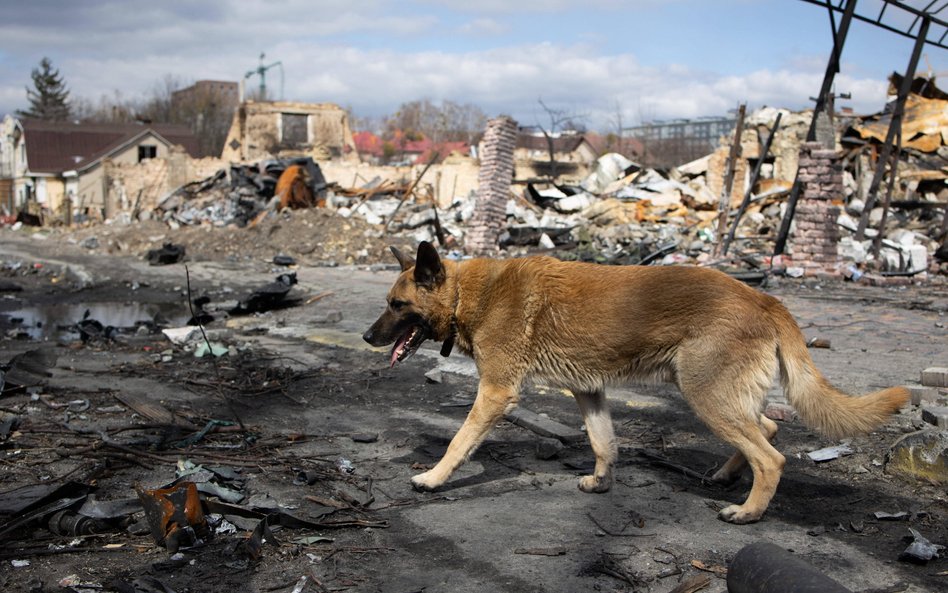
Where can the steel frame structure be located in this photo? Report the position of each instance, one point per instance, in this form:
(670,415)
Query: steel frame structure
(925,27)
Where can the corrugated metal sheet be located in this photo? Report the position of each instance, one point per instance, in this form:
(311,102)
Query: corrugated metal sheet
(924,125)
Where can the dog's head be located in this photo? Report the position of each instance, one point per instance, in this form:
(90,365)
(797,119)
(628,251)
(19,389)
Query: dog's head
(419,308)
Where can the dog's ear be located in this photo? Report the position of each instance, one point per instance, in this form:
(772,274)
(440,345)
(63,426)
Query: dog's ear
(428,270)
(405,261)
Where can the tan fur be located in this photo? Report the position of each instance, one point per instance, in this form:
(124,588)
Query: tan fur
(584,326)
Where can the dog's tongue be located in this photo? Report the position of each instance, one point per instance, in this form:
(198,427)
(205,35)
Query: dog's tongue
(398,347)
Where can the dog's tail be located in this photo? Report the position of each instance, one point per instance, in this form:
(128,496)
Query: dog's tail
(820,405)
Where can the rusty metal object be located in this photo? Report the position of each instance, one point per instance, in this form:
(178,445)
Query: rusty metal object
(174,515)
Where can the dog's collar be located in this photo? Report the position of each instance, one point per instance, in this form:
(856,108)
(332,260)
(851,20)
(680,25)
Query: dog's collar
(448,345)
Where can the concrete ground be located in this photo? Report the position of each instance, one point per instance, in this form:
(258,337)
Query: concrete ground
(311,393)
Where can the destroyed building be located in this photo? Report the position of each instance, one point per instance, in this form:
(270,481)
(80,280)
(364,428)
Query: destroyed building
(263,129)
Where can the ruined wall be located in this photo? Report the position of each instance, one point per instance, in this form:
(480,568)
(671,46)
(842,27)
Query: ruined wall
(817,234)
(455,177)
(782,159)
(116,187)
(259,130)
(717,169)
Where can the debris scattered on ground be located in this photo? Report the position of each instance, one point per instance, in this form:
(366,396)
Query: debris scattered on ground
(920,551)
(830,453)
(169,253)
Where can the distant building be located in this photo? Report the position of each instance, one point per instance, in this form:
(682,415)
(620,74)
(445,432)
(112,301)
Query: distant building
(572,154)
(46,162)
(207,107)
(674,142)
(218,92)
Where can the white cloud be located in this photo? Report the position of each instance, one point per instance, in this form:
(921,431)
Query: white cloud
(354,53)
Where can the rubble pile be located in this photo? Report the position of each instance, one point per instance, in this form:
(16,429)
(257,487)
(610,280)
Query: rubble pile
(239,196)
(623,213)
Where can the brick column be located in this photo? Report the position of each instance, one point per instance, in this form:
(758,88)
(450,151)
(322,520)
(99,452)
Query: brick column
(493,180)
(816,235)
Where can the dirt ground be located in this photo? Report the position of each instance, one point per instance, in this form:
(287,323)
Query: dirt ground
(322,436)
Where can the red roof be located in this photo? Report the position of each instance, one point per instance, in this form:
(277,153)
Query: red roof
(428,149)
(367,143)
(54,147)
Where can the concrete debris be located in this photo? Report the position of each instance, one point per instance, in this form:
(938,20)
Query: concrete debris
(830,453)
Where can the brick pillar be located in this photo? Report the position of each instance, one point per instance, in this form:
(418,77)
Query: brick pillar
(493,181)
(816,235)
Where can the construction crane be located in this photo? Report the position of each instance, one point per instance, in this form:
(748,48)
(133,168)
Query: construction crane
(261,71)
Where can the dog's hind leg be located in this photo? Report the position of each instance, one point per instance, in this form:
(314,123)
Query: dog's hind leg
(726,393)
(731,471)
(595,410)
(492,402)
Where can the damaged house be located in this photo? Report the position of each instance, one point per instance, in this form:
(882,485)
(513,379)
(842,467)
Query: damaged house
(571,155)
(48,165)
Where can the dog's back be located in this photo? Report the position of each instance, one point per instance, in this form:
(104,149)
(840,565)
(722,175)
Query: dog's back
(589,325)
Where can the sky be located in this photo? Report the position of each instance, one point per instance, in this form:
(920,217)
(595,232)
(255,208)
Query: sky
(604,61)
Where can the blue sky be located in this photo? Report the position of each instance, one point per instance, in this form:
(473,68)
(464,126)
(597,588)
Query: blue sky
(645,59)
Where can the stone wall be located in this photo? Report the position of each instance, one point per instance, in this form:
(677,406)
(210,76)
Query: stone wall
(817,234)
(142,185)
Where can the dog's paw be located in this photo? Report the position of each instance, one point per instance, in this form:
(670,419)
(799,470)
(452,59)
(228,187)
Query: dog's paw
(738,515)
(424,482)
(594,484)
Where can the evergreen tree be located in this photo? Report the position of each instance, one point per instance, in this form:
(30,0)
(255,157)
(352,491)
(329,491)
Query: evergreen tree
(49,97)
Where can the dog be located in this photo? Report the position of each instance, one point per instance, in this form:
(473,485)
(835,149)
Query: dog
(585,326)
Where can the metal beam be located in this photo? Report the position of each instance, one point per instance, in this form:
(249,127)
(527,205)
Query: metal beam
(882,20)
(895,127)
(753,182)
(832,67)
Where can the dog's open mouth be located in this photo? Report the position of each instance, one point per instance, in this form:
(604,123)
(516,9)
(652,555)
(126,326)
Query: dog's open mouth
(408,343)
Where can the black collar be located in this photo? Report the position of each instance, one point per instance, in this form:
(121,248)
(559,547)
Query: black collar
(448,343)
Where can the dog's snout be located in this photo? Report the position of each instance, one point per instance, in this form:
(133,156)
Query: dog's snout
(369,335)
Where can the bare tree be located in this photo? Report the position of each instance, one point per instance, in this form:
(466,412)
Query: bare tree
(559,120)
(107,108)
(158,105)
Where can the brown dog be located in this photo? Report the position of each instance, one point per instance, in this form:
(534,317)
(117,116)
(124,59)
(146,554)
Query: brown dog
(583,326)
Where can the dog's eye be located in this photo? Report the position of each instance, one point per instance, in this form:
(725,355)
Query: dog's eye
(396,305)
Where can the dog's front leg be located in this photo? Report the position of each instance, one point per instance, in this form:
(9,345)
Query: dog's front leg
(492,402)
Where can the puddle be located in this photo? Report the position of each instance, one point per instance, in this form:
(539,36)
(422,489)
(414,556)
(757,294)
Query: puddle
(58,321)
